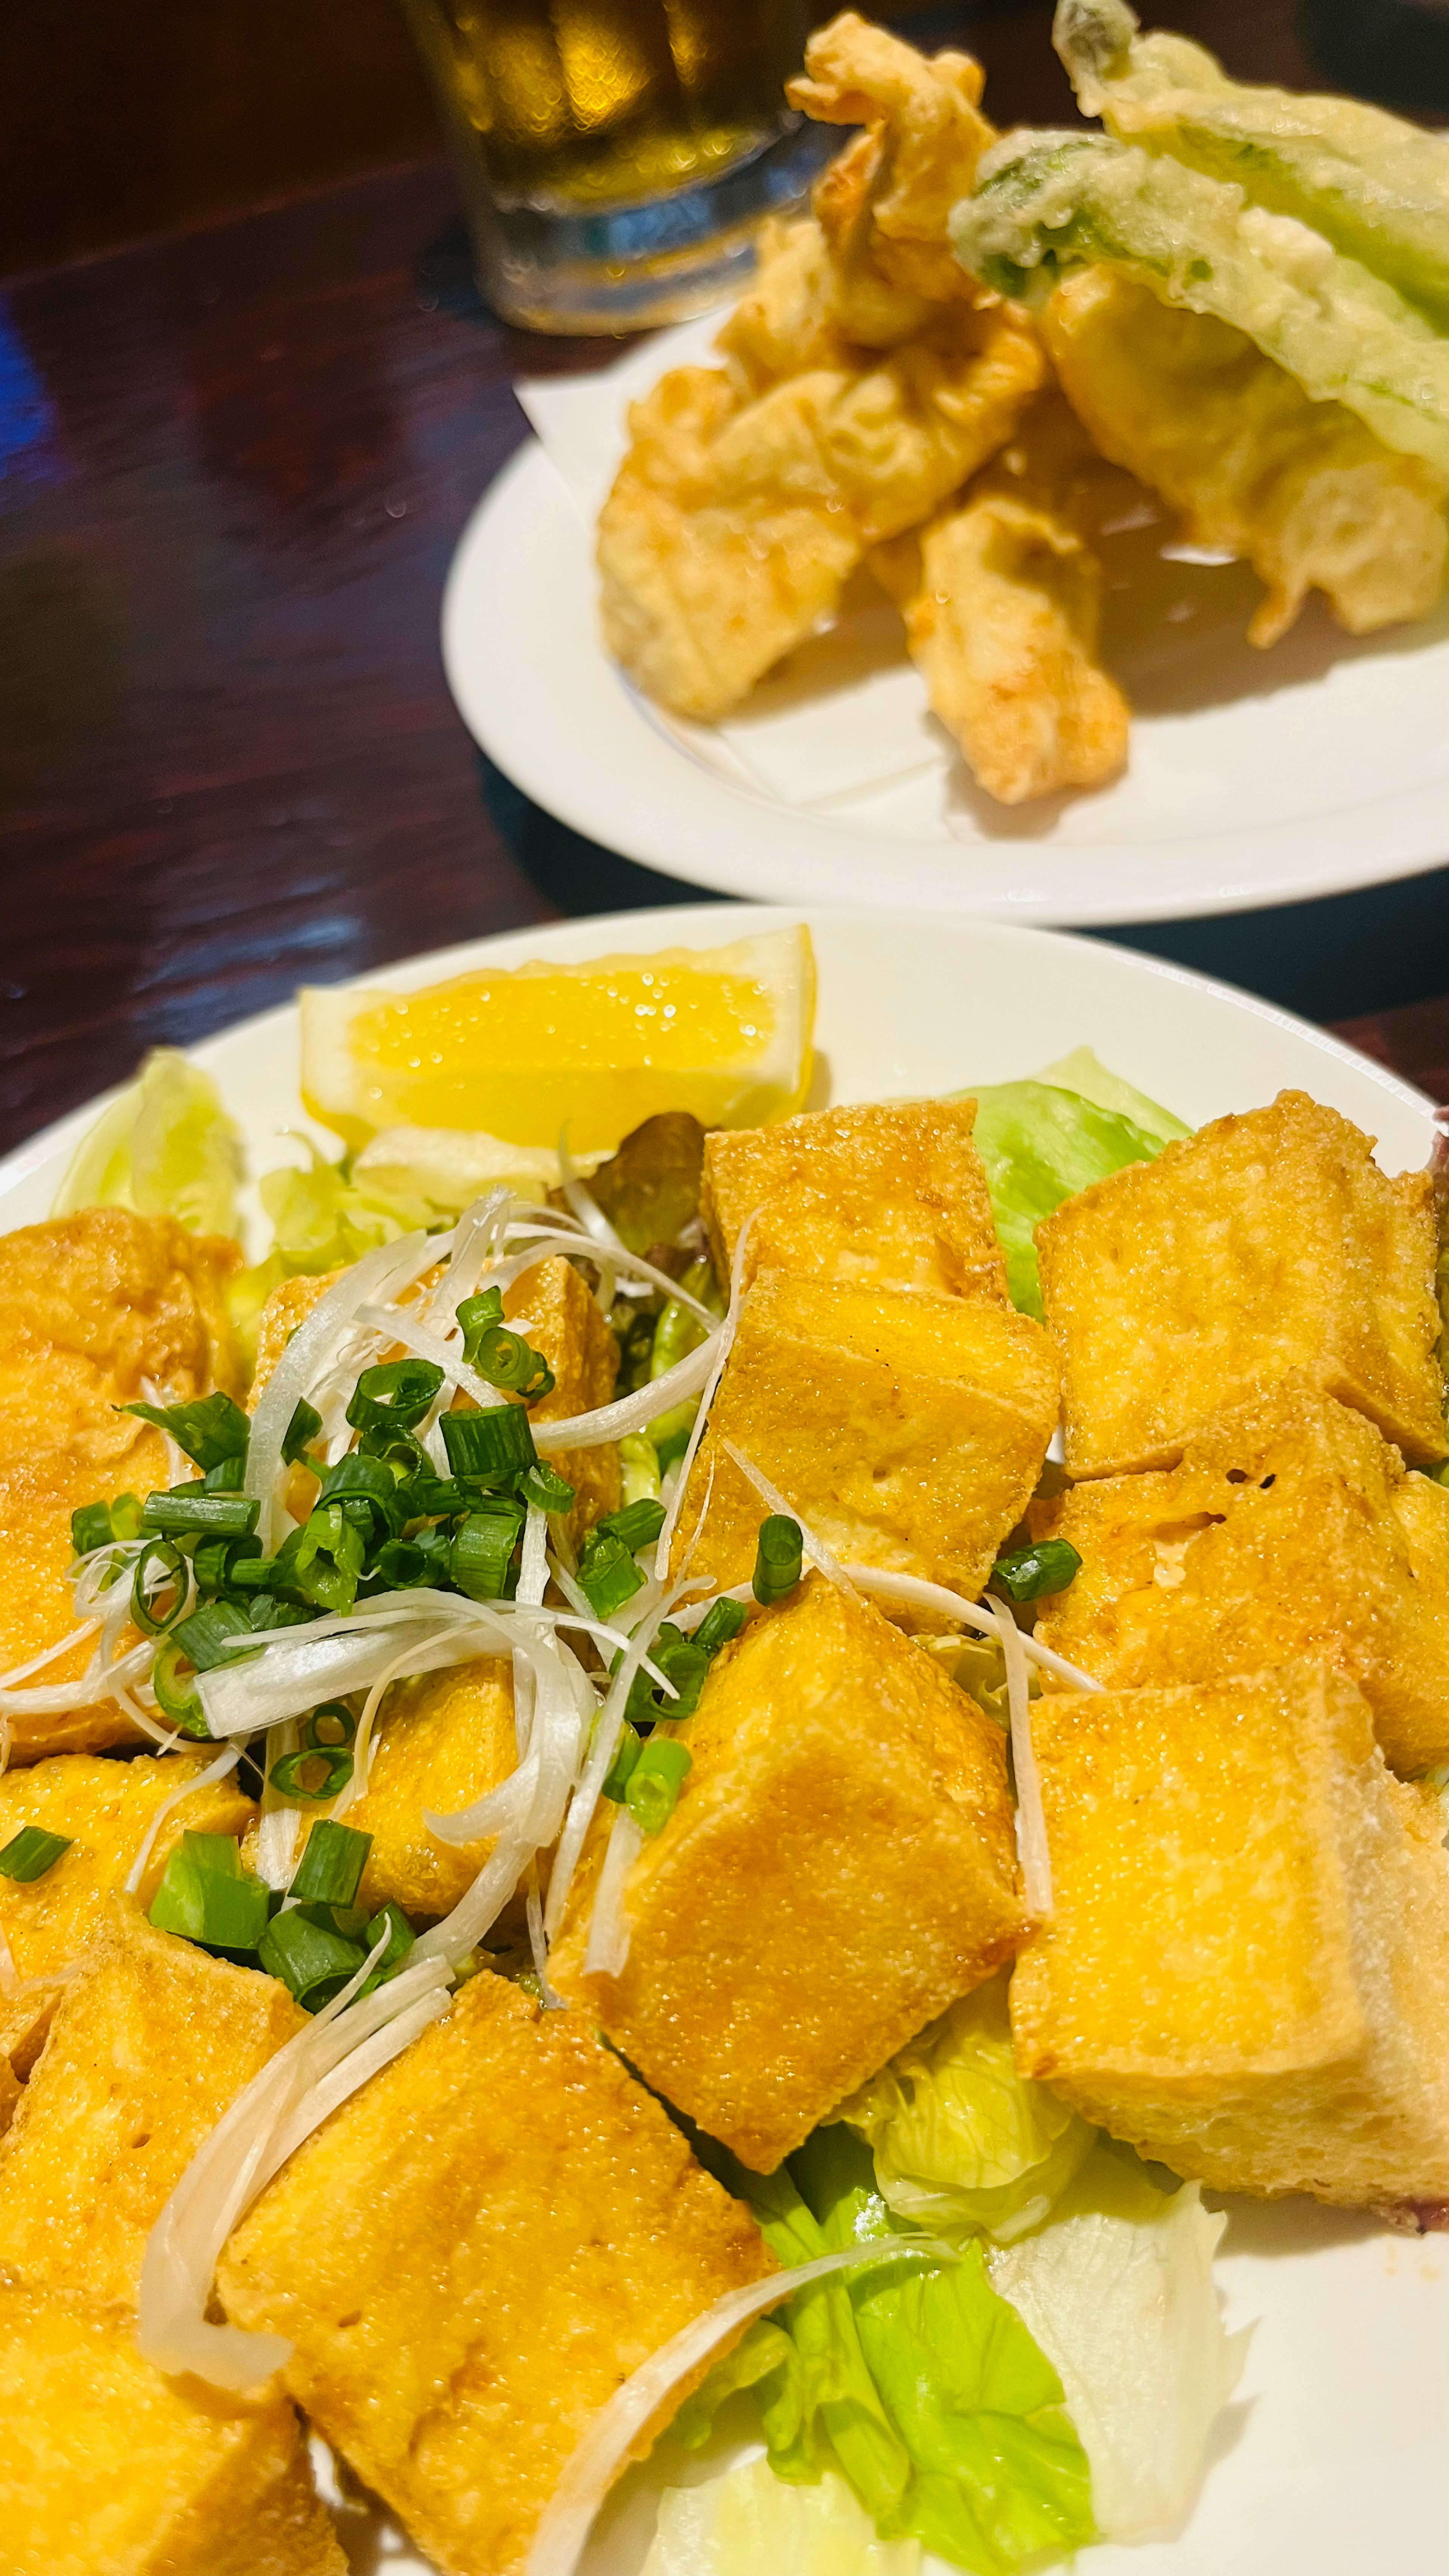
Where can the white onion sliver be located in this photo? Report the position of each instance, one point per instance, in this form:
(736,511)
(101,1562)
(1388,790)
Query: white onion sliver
(913,1591)
(607,1728)
(607,1954)
(722,1342)
(49,1654)
(634,1412)
(216,1770)
(821,1557)
(558,2543)
(1033,1850)
(400,1327)
(305,1358)
(533,1568)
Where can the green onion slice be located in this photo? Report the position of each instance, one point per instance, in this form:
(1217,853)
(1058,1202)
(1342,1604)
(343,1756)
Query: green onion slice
(722,1621)
(205,1637)
(1029,1572)
(626,1755)
(90,1528)
(508,1361)
(159,1552)
(209,1428)
(636,1526)
(189,1511)
(331,1866)
(205,1895)
(482,1552)
(31,1852)
(544,1486)
(655,1782)
(779,1558)
(315,1776)
(479,1315)
(300,1433)
(400,1939)
(328,1726)
(394,1396)
(175,1695)
(312,1960)
(607,1573)
(489,1445)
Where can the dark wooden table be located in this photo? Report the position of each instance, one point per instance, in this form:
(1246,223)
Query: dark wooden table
(233,466)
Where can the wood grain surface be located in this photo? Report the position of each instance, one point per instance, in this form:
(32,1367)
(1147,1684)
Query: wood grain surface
(233,466)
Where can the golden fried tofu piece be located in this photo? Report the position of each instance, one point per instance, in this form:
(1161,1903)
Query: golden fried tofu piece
(440,1741)
(92,1305)
(1290,1530)
(286,1310)
(471,2256)
(840,1866)
(148,2047)
(894,1191)
(38,1494)
(1302,489)
(104,1808)
(1002,599)
(109,2469)
(1266,1246)
(886,210)
(554,1309)
(906,1430)
(1246,1970)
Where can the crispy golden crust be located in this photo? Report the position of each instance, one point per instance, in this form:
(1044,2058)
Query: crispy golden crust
(1246,1966)
(470,2257)
(147,2048)
(1290,1530)
(892,1192)
(107,2466)
(839,1868)
(907,1430)
(1269,1245)
(38,1494)
(555,1310)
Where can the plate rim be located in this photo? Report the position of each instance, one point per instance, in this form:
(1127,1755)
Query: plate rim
(666,812)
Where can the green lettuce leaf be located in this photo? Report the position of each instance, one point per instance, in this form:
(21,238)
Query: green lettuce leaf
(324,1217)
(1043,1140)
(921,2384)
(747,2522)
(166,1147)
(1118,2289)
(960,2139)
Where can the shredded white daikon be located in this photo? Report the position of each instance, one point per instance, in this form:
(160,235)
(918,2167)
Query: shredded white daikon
(558,2543)
(607,1953)
(629,1413)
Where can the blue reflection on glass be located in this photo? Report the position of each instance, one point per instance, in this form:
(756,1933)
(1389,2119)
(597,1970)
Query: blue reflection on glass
(28,423)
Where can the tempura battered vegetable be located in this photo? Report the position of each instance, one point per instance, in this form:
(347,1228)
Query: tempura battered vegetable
(1372,184)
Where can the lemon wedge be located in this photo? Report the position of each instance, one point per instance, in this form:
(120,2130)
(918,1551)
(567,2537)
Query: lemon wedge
(522,1052)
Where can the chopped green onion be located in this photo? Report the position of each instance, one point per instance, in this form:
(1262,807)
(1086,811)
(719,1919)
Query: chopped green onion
(430,1497)
(607,1573)
(543,1485)
(31,1852)
(1028,1572)
(508,1361)
(638,1524)
(328,1726)
(684,1662)
(207,1896)
(361,1479)
(90,1528)
(626,1755)
(722,1621)
(127,1515)
(214,1561)
(311,1960)
(331,1867)
(158,1551)
(266,1611)
(175,1697)
(479,1315)
(394,1396)
(300,1433)
(655,1782)
(189,1511)
(227,1478)
(400,1939)
(209,1428)
(328,1559)
(205,1637)
(779,1558)
(489,1445)
(482,1552)
(317,1775)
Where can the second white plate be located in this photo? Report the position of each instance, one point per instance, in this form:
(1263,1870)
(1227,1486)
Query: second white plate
(1255,778)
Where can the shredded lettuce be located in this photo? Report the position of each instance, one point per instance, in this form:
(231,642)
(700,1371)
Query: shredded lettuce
(960,2140)
(1118,2291)
(920,2383)
(324,1217)
(747,2521)
(166,1147)
(1043,1140)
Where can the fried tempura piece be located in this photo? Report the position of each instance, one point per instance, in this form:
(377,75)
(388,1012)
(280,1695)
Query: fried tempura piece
(1303,489)
(785,320)
(884,202)
(1002,600)
(731,527)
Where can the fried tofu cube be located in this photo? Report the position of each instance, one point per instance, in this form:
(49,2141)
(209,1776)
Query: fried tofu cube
(1290,1530)
(104,1808)
(471,2256)
(908,1431)
(1247,1967)
(839,1867)
(38,1494)
(441,1740)
(91,1305)
(894,1193)
(147,2048)
(555,1311)
(109,2469)
(1266,1246)
(285,1312)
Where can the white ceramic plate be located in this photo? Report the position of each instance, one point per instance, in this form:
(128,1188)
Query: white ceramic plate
(1335,2456)
(1255,778)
